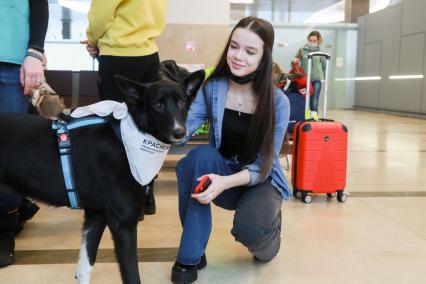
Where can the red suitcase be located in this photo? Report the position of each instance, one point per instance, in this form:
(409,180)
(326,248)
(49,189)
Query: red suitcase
(319,155)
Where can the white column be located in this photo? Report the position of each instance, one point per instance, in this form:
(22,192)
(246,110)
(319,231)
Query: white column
(203,12)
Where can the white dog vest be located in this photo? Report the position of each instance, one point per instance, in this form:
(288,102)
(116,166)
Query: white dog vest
(145,153)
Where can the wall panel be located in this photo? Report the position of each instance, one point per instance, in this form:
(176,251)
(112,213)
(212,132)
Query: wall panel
(413,15)
(423,99)
(367,92)
(208,40)
(401,30)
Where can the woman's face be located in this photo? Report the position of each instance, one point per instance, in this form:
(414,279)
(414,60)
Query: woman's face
(313,40)
(245,52)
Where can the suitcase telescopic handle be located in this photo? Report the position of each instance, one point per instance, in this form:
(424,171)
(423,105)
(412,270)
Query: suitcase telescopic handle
(308,83)
(319,53)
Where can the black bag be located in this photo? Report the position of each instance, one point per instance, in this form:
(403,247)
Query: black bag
(297,108)
(169,70)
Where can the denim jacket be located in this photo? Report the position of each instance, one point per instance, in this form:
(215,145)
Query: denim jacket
(216,91)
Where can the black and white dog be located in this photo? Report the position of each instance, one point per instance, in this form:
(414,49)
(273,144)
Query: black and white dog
(109,195)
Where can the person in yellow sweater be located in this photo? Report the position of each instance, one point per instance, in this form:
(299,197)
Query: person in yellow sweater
(122,35)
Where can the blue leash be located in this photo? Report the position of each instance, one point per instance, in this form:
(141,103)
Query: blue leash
(64,144)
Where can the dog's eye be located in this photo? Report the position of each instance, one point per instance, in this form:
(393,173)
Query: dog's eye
(158,106)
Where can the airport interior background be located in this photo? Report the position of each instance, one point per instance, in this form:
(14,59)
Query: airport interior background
(376,88)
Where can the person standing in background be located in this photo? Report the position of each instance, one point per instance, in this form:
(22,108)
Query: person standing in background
(318,67)
(23,26)
(122,35)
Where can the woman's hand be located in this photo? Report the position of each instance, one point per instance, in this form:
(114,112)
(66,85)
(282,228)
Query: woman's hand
(31,73)
(218,185)
(93,51)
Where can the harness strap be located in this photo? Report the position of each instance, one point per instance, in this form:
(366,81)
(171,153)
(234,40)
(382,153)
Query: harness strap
(117,129)
(64,144)
(86,121)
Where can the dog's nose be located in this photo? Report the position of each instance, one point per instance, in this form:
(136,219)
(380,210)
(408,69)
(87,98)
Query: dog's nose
(179,132)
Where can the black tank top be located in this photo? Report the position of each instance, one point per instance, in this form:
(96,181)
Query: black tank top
(235,131)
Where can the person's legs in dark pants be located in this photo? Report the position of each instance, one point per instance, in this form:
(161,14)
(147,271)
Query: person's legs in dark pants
(12,98)
(8,222)
(316,85)
(13,213)
(257,220)
(196,217)
(9,201)
(142,69)
(149,204)
(150,207)
(27,210)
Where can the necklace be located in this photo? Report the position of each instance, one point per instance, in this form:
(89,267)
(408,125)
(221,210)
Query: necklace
(241,103)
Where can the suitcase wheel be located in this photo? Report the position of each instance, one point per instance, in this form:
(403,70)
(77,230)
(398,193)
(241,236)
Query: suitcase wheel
(329,195)
(341,197)
(306,197)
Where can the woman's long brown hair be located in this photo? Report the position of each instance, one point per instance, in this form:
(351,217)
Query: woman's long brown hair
(261,134)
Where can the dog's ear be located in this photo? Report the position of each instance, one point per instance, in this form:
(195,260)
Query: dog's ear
(192,83)
(131,90)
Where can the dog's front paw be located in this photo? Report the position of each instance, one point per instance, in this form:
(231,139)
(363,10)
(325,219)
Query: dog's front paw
(82,279)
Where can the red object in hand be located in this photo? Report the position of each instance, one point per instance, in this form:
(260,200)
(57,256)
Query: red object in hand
(302,80)
(281,85)
(203,184)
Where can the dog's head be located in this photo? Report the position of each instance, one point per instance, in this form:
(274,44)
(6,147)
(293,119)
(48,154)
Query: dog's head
(161,108)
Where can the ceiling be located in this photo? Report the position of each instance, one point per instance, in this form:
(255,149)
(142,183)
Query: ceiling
(308,6)
(291,11)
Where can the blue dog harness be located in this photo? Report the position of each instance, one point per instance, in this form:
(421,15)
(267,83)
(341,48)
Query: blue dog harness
(64,144)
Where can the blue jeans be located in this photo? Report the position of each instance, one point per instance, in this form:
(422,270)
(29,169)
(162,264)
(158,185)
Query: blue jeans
(12,99)
(257,219)
(316,85)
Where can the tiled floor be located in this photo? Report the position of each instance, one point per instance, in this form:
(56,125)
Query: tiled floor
(380,239)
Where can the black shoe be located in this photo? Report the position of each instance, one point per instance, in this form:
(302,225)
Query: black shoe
(186,274)
(8,223)
(7,248)
(141,215)
(27,210)
(150,208)
(202,263)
